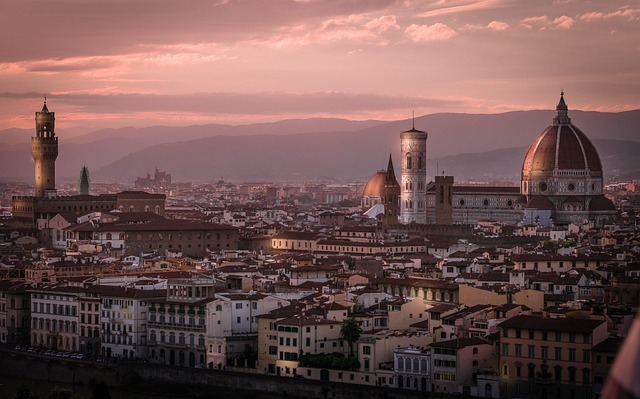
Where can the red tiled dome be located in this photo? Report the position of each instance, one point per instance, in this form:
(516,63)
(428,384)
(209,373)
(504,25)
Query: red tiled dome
(375,185)
(601,203)
(540,202)
(561,146)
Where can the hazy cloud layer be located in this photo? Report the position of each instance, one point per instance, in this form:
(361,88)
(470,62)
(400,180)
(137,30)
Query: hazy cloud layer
(137,61)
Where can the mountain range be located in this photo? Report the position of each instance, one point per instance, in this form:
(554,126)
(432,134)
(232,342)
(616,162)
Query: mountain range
(468,146)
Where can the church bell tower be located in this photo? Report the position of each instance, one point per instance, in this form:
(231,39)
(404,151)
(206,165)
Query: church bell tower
(44,149)
(413,197)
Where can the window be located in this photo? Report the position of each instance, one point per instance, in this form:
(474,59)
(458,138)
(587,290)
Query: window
(532,370)
(586,356)
(544,352)
(505,349)
(558,353)
(366,350)
(586,376)
(518,350)
(572,355)
(531,351)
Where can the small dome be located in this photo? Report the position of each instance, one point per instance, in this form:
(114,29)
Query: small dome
(601,203)
(375,185)
(540,202)
(522,200)
(561,146)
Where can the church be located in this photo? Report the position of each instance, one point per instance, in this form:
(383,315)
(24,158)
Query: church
(561,183)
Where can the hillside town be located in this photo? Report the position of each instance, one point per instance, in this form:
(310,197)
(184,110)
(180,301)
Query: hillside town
(473,289)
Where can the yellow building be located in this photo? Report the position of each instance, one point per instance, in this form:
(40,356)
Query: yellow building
(548,358)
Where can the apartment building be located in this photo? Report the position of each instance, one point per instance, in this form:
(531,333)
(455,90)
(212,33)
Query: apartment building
(456,362)
(177,322)
(541,357)
(55,317)
(124,319)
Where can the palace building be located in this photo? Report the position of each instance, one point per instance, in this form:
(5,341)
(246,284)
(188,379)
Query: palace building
(37,210)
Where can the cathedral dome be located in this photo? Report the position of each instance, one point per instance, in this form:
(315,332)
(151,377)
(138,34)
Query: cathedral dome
(539,202)
(375,185)
(562,149)
(601,203)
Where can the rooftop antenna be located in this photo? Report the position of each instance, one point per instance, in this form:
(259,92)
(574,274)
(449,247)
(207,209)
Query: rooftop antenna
(413,120)
(45,98)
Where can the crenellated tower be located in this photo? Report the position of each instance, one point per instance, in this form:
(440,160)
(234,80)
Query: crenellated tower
(44,149)
(413,147)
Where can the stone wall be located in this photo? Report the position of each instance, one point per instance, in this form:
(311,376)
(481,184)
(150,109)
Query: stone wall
(62,370)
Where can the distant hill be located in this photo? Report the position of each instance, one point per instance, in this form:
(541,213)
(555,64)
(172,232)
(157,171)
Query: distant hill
(465,145)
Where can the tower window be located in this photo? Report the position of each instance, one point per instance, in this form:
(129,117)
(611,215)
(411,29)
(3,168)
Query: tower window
(408,161)
(543,186)
(571,187)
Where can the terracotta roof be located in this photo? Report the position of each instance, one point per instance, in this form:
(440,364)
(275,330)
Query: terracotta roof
(563,324)
(561,146)
(540,202)
(459,343)
(601,203)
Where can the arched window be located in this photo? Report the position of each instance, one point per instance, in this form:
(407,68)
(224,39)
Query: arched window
(408,161)
(108,236)
(157,209)
(146,208)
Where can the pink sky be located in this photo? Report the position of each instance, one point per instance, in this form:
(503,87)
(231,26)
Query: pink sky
(165,62)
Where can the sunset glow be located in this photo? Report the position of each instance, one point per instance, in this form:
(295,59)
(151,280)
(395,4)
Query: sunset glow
(142,62)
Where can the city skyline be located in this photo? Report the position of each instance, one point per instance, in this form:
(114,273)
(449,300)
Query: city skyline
(130,64)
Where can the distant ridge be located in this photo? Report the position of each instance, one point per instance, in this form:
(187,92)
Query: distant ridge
(466,145)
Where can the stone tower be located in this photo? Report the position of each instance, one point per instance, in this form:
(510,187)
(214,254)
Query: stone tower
(83,183)
(444,199)
(44,149)
(413,148)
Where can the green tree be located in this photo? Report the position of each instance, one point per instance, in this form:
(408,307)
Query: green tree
(350,331)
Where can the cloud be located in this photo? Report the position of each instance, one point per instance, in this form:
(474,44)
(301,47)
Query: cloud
(354,28)
(563,22)
(460,6)
(498,26)
(429,33)
(543,22)
(630,14)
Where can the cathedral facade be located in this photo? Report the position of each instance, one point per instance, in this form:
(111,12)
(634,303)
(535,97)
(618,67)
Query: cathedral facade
(561,183)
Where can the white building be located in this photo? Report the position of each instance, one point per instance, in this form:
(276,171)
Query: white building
(413,187)
(124,320)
